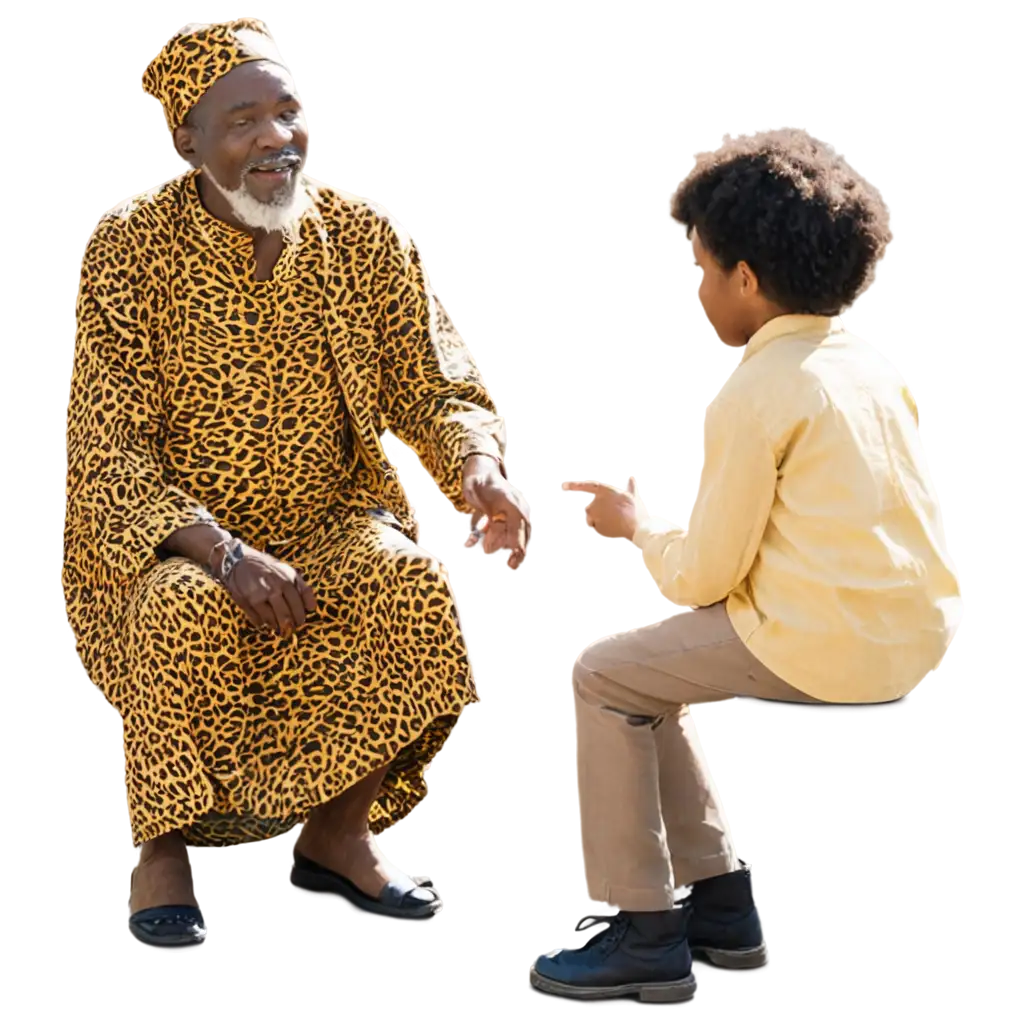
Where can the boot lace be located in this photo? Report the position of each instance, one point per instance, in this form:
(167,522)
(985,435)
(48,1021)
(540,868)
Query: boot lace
(617,925)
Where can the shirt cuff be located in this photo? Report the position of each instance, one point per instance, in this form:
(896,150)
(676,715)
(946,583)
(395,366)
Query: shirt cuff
(651,525)
(133,545)
(484,444)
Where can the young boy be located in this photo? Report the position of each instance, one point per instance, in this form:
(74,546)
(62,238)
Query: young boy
(815,562)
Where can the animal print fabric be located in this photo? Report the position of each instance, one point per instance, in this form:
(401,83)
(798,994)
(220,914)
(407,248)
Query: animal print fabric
(199,392)
(197,56)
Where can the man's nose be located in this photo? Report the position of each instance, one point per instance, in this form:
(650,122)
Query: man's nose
(273,134)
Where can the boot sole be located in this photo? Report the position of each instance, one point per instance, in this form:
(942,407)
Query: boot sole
(647,992)
(732,959)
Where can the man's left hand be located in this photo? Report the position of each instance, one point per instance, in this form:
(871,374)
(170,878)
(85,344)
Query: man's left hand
(501,515)
(613,512)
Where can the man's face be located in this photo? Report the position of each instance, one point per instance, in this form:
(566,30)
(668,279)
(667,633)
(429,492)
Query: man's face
(723,297)
(248,130)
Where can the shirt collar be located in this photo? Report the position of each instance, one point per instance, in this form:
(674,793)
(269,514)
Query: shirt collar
(218,232)
(223,236)
(804,325)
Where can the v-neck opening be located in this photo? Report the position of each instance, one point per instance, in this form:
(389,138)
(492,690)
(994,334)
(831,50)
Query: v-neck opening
(239,242)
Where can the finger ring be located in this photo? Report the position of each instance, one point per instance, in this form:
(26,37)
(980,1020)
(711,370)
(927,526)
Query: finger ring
(475,532)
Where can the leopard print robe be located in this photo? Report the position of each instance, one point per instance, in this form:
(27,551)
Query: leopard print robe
(200,392)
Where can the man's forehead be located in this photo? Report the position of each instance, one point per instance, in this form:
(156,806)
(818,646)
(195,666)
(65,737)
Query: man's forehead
(251,83)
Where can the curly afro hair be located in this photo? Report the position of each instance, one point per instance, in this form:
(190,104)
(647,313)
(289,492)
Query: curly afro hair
(806,223)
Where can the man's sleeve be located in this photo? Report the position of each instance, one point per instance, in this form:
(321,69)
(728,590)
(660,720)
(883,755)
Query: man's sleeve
(702,565)
(115,480)
(434,399)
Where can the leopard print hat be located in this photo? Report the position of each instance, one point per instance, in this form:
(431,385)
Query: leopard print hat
(200,54)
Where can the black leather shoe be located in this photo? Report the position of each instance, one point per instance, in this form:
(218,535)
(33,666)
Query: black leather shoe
(419,901)
(168,926)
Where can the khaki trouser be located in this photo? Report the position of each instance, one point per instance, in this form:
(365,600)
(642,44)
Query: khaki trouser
(650,815)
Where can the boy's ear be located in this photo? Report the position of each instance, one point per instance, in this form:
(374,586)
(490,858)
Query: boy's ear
(749,285)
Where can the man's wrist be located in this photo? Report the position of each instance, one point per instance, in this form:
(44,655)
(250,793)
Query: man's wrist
(481,464)
(226,554)
(197,542)
(481,458)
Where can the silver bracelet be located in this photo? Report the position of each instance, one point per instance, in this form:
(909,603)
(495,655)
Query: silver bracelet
(234,552)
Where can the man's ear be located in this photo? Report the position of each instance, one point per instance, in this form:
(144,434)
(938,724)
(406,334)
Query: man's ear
(185,144)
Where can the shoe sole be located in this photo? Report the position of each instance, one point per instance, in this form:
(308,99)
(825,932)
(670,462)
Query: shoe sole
(170,941)
(315,891)
(732,959)
(647,992)
(315,881)
(167,941)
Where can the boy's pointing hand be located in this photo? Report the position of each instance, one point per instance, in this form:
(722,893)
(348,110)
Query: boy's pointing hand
(613,512)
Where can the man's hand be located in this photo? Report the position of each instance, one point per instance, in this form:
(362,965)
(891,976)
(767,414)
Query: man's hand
(271,593)
(613,513)
(501,515)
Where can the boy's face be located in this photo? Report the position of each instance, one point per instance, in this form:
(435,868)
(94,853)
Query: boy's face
(730,298)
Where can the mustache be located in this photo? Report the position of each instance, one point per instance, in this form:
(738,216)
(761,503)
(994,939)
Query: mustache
(287,155)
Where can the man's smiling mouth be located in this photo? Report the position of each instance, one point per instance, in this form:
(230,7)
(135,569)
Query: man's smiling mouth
(281,167)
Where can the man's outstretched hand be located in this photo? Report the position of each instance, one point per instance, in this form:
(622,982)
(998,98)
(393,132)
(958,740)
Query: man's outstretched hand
(501,515)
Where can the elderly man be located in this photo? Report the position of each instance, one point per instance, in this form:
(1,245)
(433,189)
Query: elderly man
(814,564)
(241,567)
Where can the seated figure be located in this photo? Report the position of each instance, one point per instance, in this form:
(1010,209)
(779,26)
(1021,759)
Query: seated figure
(242,570)
(815,562)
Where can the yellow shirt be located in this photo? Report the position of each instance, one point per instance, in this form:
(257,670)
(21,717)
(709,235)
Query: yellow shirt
(816,519)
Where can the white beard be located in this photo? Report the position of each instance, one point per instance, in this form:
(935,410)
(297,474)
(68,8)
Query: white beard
(283,213)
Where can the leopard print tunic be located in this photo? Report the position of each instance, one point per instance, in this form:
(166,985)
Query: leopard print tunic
(200,392)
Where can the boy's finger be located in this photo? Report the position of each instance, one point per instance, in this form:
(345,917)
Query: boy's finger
(632,485)
(590,486)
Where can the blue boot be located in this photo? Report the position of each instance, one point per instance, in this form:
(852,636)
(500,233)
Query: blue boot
(724,927)
(638,954)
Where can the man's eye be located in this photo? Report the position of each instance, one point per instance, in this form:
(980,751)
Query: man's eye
(290,115)
(241,122)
